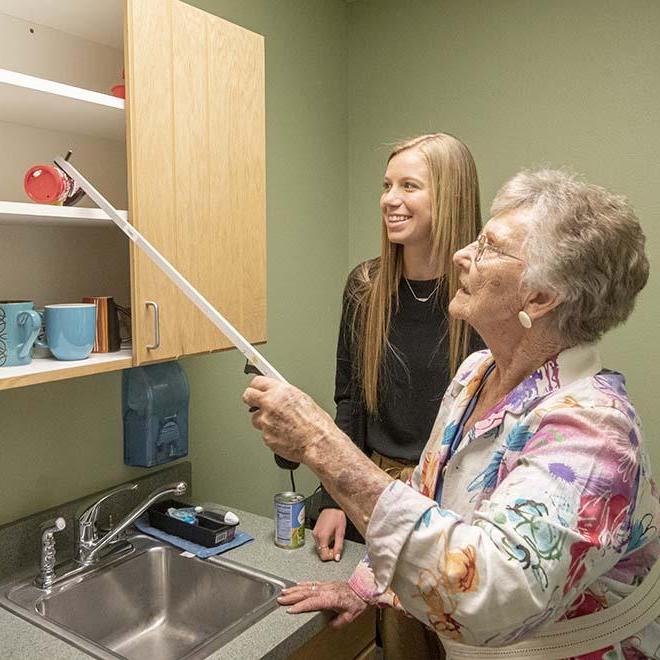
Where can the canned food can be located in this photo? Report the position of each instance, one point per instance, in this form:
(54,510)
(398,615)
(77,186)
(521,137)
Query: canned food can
(289,513)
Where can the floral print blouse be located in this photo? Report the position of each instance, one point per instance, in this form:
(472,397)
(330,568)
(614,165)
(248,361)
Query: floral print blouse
(548,511)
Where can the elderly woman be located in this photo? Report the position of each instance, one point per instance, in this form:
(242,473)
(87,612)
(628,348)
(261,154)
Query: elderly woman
(533,501)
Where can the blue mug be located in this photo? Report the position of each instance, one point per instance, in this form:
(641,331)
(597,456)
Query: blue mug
(70,330)
(19,327)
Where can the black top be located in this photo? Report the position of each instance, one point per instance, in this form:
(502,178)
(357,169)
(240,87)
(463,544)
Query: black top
(411,387)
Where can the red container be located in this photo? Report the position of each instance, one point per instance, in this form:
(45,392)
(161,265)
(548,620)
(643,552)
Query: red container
(48,184)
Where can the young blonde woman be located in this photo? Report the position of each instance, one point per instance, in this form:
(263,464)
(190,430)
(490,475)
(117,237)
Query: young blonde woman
(397,350)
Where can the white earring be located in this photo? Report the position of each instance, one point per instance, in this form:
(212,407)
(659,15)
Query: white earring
(525,320)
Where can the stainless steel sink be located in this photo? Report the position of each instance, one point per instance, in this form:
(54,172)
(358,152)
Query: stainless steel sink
(152,603)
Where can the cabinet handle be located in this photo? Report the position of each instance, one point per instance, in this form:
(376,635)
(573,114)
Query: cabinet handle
(156,344)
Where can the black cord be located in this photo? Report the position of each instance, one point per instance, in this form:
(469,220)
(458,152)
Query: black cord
(293,481)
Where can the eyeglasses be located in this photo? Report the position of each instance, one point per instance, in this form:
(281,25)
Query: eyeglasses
(483,245)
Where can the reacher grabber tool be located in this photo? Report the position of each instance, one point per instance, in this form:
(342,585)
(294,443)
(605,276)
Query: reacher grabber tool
(253,356)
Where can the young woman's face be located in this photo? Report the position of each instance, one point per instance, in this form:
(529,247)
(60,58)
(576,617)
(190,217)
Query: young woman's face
(406,200)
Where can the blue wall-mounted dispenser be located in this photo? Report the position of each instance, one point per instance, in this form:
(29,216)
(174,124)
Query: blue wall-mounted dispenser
(155,411)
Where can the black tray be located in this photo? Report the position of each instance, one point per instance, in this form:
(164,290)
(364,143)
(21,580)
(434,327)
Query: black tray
(207,532)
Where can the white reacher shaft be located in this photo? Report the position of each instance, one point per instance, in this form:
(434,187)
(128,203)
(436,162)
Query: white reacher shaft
(234,336)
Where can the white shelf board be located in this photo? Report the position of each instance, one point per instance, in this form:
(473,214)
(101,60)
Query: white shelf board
(45,370)
(33,101)
(20,213)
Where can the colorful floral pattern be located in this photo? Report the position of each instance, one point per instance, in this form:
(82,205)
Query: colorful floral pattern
(548,511)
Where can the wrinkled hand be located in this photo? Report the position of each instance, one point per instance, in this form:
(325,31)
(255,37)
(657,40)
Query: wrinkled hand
(335,596)
(331,525)
(289,420)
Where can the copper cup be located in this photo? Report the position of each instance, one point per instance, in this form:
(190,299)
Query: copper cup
(108,339)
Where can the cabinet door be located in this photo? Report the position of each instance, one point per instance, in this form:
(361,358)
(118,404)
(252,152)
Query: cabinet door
(196,169)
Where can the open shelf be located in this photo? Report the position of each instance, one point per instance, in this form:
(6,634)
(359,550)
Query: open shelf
(20,213)
(33,101)
(48,370)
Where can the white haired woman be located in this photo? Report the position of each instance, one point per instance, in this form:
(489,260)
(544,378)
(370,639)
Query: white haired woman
(533,502)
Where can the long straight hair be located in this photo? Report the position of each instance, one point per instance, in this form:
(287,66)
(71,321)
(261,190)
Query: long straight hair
(455,222)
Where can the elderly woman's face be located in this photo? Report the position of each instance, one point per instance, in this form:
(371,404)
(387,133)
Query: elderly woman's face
(490,290)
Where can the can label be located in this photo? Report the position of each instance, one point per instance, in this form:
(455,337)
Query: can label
(289,513)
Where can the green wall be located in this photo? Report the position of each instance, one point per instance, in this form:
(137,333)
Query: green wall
(59,442)
(64,440)
(306,129)
(525,83)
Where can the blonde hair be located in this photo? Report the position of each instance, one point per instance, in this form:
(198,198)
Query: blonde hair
(373,287)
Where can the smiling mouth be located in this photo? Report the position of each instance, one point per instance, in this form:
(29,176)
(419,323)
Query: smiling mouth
(396,219)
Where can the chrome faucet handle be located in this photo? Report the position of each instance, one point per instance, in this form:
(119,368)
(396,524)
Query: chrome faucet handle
(88,549)
(47,565)
(87,519)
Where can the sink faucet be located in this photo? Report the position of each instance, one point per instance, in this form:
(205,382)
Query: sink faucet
(89,546)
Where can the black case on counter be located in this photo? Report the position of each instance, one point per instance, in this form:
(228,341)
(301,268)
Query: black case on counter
(207,532)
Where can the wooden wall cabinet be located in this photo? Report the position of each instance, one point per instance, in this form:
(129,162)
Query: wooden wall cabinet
(185,155)
(196,136)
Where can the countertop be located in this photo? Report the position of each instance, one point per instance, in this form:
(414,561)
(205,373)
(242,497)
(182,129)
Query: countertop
(275,636)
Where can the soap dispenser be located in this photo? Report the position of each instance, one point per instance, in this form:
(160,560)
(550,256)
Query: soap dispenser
(155,402)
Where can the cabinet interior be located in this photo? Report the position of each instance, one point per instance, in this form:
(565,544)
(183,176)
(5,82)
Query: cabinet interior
(79,44)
